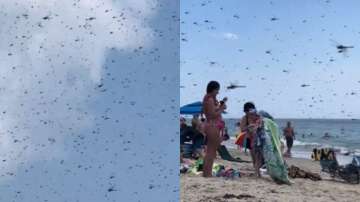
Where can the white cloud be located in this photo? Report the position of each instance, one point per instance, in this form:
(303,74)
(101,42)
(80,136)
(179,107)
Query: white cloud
(230,36)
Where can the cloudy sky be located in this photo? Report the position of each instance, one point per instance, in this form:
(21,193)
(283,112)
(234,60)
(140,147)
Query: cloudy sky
(274,48)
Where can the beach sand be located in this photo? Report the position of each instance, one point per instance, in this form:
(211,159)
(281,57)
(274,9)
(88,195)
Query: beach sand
(249,188)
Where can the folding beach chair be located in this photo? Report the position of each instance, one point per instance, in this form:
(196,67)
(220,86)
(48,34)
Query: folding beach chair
(328,162)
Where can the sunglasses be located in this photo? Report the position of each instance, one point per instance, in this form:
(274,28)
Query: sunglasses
(252,111)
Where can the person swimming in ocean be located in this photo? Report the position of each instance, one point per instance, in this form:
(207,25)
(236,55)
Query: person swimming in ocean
(327,135)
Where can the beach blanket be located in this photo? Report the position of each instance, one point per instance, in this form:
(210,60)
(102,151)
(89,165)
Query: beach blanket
(218,170)
(275,164)
(196,167)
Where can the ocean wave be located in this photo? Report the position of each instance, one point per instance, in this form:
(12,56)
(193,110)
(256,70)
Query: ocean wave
(357,152)
(300,143)
(339,149)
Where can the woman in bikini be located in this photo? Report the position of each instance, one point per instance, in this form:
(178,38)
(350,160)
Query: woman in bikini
(250,124)
(213,125)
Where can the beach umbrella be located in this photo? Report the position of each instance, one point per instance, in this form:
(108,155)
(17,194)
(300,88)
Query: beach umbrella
(191,109)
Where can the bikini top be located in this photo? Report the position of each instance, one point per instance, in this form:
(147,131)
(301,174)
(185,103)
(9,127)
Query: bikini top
(208,116)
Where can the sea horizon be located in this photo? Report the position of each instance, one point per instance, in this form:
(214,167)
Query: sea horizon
(302,118)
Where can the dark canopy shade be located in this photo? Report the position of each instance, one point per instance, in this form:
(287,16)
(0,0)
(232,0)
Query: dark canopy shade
(191,109)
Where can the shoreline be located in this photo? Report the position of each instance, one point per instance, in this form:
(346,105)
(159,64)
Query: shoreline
(343,139)
(250,188)
(304,150)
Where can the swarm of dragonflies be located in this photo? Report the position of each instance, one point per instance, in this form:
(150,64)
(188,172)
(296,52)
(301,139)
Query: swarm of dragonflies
(341,48)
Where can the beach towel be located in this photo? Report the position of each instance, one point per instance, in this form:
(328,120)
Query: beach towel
(218,170)
(197,167)
(242,141)
(275,164)
(225,155)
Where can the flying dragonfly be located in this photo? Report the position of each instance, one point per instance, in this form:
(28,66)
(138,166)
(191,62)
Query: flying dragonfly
(341,48)
(233,86)
(305,85)
(212,63)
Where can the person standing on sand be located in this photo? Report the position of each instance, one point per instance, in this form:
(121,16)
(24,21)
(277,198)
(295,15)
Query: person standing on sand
(212,110)
(289,136)
(250,123)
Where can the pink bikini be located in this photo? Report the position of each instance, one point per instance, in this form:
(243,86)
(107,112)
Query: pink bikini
(217,121)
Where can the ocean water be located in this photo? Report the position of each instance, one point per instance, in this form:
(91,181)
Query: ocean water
(345,135)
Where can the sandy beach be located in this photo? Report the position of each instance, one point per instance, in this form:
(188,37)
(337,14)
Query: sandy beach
(249,188)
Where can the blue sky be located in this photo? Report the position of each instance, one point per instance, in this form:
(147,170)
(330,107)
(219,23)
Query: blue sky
(77,108)
(273,47)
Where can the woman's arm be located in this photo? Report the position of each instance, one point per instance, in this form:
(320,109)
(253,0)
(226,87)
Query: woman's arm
(211,108)
(243,126)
